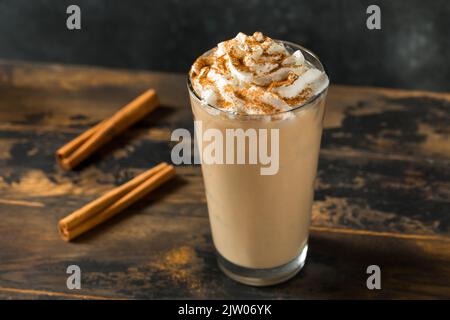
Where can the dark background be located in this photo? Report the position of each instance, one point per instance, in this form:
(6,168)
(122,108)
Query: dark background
(410,51)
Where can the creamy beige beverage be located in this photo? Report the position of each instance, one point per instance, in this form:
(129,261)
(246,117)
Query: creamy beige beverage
(261,221)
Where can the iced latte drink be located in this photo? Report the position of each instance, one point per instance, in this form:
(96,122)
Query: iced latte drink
(258,93)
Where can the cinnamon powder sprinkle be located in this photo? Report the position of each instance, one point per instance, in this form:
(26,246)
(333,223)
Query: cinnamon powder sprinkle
(286,82)
(253,100)
(250,94)
(301,98)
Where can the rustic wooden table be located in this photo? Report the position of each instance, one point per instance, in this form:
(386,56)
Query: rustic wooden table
(382,195)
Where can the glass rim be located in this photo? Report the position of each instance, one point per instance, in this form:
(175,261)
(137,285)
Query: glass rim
(244,115)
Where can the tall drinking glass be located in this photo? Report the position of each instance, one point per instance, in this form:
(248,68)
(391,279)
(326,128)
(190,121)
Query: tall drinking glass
(260,223)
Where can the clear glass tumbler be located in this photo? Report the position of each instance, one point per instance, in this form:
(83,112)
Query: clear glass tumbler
(260,223)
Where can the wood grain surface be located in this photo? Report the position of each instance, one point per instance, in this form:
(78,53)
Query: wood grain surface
(382,194)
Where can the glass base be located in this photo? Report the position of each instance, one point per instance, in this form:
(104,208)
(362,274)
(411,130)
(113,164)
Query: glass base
(263,277)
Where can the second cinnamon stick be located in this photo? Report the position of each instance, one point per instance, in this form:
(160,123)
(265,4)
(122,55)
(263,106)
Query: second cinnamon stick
(114,201)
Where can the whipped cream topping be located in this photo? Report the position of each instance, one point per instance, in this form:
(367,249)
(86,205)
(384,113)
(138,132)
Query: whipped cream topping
(255,75)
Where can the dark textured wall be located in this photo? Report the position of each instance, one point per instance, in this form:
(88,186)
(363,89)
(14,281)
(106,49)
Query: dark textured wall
(411,50)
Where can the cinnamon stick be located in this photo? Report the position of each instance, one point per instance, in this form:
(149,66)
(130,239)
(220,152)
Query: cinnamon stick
(71,146)
(114,201)
(88,142)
